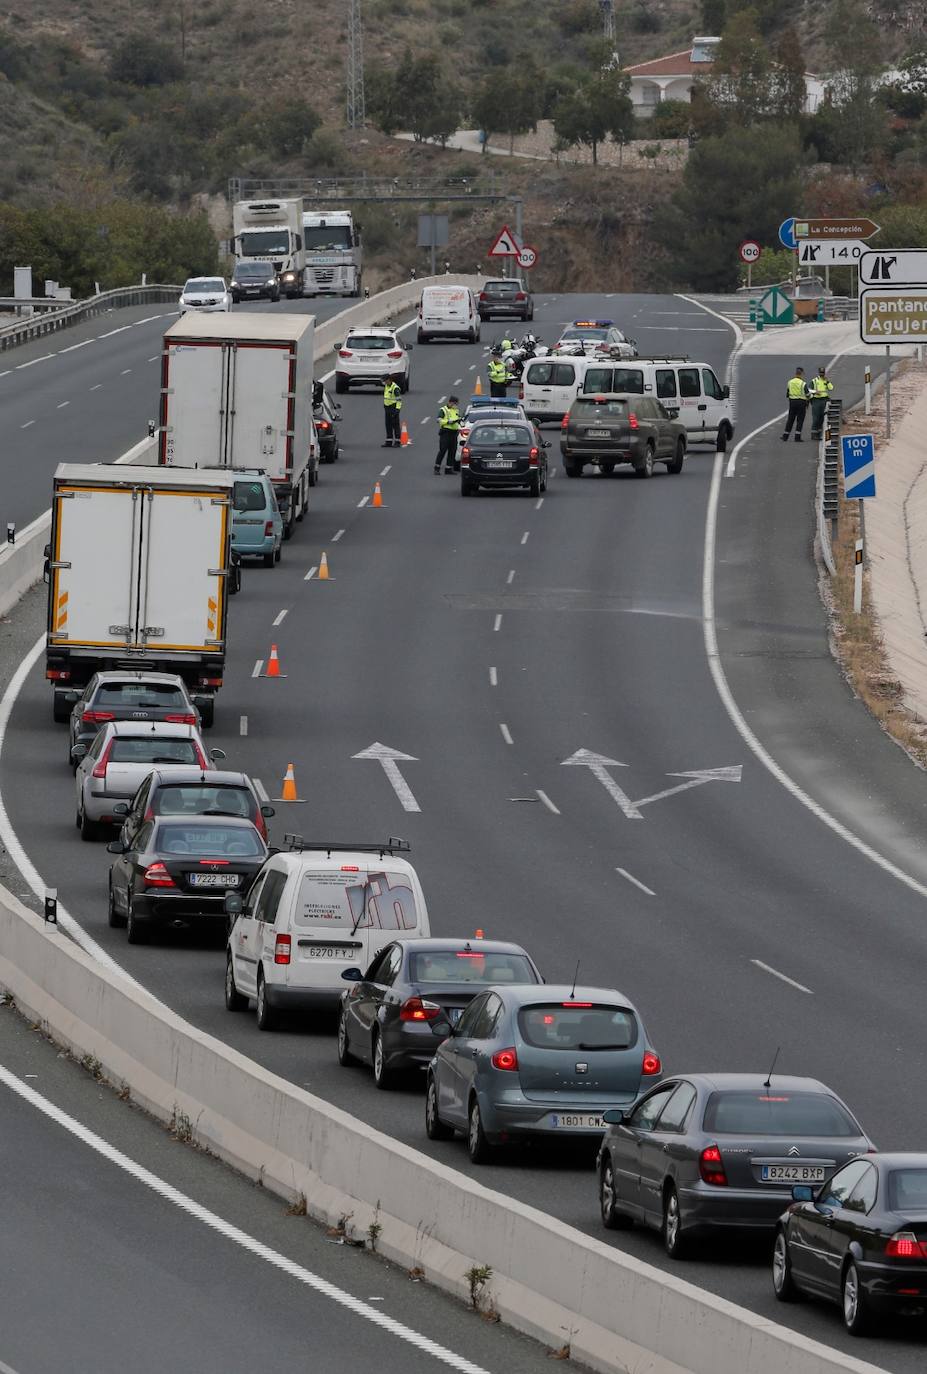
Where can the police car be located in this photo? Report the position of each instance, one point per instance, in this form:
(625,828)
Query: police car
(596,338)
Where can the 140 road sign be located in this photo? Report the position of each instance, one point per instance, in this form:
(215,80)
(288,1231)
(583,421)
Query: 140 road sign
(830,252)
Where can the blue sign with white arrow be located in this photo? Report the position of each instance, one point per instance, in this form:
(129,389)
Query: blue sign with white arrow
(787,233)
(858,465)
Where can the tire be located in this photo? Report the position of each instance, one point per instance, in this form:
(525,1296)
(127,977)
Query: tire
(646,467)
(466,487)
(676,465)
(478,1147)
(612,1219)
(572,468)
(345,1058)
(857,1315)
(606,469)
(289,526)
(383,1077)
(725,435)
(341,385)
(114,920)
(405,384)
(269,559)
(674,1239)
(136,930)
(278,552)
(534,485)
(61,710)
(234,1000)
(783,1283)
(266,1017)
(208,712)
(89,830)
(544,483)
(435,1128)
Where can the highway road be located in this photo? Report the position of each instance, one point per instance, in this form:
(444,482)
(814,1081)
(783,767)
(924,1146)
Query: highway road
(490,640)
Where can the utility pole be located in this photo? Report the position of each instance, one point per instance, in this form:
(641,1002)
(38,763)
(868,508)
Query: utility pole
(356,104)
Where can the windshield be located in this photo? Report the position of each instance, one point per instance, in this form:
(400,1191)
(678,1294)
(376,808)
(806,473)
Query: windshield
(578,1026)
(155,695)
(153,749)
(327,239)
(258,242)
(500,436)
(262,270)
(210,284)
(907,1190)
(350,898)
(232,842)
(597,335)
(372,342)
(195,799)
(769,1112)
(469,966)
(249,496)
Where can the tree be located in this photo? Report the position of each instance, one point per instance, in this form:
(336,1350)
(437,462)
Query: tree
(417,96)
(789,91)
(741,78)
(857,62)
(599,107)
(671,119)
(288,124)
(507,105)
(143,61)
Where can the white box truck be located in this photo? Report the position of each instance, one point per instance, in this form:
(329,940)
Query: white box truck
(236,392)
(139,572)
(333,252)
(272,230)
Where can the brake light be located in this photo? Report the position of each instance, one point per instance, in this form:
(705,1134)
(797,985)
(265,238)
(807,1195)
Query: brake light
(417,1009)
(576,1004)
(394,353)
(350,868)
(58,674)
(185,719)
(521,393)
(156,875)
(345,353)
(533,457)
(96,717)
(651,1064)
(564,422)
(323,424)
(214,861)
(711,1167)
(632,420)
(268,528)
(209,681)
(282,949)
(482,295)
(506,1060)
(469,954)
(260,825)
(905,1245)
(99,770)
(520,296)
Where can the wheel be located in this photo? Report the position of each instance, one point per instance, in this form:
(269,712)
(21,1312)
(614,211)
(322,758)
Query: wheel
(572,468)
(313,479)
(345,1058)
(857,1317)
(435,1128)
(725,435)
(278,553)
(341,385)
(467,488)
(114,920)
(234,1000)
(478,1147)
(208,712)
(674,1238)
(405,384)
(534,485)
(606,469)
(61,709)
(266,1018)
(269,559)
(645,469)
(783,1283)
(136,930)
(290,525)
(612,1219)
(676,464)
(382,1075)
(544,481)
(89,830)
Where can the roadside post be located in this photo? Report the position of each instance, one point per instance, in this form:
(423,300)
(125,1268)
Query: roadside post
(859,483)
(867,388)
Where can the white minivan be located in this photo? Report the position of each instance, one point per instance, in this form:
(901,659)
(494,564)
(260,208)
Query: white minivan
(312,912)
(448,312)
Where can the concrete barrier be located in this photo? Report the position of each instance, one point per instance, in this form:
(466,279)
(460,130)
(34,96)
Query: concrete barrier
(62,317)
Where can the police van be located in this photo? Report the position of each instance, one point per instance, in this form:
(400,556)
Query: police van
(448,312)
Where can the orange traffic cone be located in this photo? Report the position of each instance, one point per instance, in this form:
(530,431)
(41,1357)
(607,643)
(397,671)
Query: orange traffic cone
(323,568)
(288,792)
(377,496)
(478,389)
(273,664)
(404,440)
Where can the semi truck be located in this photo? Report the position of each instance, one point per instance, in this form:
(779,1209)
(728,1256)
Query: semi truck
(332,242)
(272,230)
(236,392)
(139,572)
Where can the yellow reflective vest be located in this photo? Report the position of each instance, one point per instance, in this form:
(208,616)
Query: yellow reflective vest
(392,395)
(497,370)
(797,389)
(449,418)
(821,387)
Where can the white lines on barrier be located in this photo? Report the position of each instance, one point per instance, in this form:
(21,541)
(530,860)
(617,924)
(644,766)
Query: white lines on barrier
(362,502)
(61,405)
(243,725)
(511,577)
(311,573)
(279,618)
(506,734)
(387,470)
(336,537)
(27,424)
(96,387)
(497,623)
(547,801)
(258,668)
(494,677)
(539,503)
(524,538)
(636,881)
(257,1249)
(44,359)
(768,968)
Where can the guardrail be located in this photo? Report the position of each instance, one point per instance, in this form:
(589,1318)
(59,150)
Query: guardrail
(828,483)
(21,331)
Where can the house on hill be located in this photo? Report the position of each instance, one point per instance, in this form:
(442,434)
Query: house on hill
(672,78)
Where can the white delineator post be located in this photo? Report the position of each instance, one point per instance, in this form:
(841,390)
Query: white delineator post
(868,389)
(858,576)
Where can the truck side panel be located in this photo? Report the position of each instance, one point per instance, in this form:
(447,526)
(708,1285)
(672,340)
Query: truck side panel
(183,598)
(194,404)
(302,416)
(89,597)
(261,408)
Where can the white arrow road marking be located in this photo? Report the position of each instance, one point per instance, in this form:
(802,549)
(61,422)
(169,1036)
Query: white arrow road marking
(389,758)
(598,766)
(696,778)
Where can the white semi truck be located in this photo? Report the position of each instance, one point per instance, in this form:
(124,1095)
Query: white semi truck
(272,230)
(236,392)
(139,572)
(334,261)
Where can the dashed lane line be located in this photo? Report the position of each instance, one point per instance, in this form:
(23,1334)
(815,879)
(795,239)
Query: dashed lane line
(493,677)
(506,734)
(27,424)
(258,668)
(497,623)
(636,881)
(280,617)
(336,537)
(768,968)
(44,359)
(547,801)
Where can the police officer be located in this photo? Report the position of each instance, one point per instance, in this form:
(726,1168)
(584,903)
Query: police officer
(392,404)
(798,395)
(448,426)
(507,344)
(498,376)
(821,387)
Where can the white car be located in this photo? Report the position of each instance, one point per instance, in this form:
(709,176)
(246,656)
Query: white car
(205,295)
(368,356)
(596,338)
(119,759)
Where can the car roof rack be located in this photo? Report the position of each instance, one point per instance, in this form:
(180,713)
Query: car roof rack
(660,358)
(296,845)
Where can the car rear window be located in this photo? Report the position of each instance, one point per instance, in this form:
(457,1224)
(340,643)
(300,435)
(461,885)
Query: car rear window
(153,749)
(501,288)
(249,496)
(349,897)
(230,842)
(577,1026)
(370,342)
(201,799)
(155,695)
(500,436)
(769,1112)
(469,966)
(907,1190)
(590,409)
(614,379)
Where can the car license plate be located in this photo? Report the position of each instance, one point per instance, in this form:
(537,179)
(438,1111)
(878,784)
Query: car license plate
(214,879)
(599,433)
(499,463)
(370,357)
(792,1173)
(577,1121)
(327,952)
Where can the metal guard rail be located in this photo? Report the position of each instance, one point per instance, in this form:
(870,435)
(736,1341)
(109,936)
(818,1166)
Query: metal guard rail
(21,331)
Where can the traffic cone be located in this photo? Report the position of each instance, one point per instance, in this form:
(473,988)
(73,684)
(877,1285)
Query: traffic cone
(323,568)
(478,389)
(288,791)
(273,664)
(377,496)
(404,440)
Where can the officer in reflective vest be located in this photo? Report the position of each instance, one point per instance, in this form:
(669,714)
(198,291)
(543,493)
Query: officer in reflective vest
(448,426)
(498,377)
(507,344)
(797,394)
(821,387)
(392,404)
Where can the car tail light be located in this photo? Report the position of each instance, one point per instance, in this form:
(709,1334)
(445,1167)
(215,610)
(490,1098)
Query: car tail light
(483,296)
(209,682)
(156,875)
(350,868)
(187,718)
(224,862)
(651,1064)
(58,674)
(99,770)
(417,1009)
(345,353)
(520,296)
(533,455)
(565,422)
(96,717)
(282,949)
(268,528)
(323,424)
(506,1059)
(711,1167)
(905,1245)
(394,353)
(576,1004)
(632,420)
(521,393)
(260,825)
(465,457)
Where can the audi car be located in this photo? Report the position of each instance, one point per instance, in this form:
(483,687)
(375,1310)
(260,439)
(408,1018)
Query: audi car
(127,695)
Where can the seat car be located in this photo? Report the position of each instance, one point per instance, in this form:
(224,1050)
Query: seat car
(395,1015)
(113,694)
(707,1153)
(503,453)
(257,525)
(205,295)
(178,870)
(192,792)
(596,339)
(527,1062)
(368,356)
(118,760)
(326,414)
(505,297)
(604,430)
(314,911)
(859,1240)
(254,279)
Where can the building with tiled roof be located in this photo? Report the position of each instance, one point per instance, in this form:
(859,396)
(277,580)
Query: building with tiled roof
(672,77)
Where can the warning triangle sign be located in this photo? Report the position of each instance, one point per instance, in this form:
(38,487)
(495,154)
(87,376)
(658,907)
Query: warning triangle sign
(506,245)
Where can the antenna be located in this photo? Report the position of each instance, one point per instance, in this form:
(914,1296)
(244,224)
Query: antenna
(356,110)
(575,977)
(766,1083)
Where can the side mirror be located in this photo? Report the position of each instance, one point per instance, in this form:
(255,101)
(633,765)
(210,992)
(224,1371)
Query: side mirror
(78,752)
(121,809)
(216,754)
(545,443)
(268,811)
(71,697)
(613,1117)
(352,975)
(803,1192)
(233,904)
(116,847)
(408,347)
(726,392)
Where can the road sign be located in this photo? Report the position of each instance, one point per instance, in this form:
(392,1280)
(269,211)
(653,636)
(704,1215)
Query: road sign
(893,316)
(904,267)
(749,251)
(834,228)
(775,308)
(787,234)
(858,465)
(506,245)
(528,256)
(830,252)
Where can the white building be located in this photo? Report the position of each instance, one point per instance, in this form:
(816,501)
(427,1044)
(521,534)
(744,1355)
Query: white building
(672,77)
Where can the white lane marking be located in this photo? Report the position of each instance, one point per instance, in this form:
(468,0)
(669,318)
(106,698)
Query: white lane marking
(524,538)
(311,573)
(148,319)
(389,761)
(121,330)
(243,725)
(426,419)
(472,367)
(636,881)
(742,443)
(506,734)
(598,765)
(97,387)
(224,1228)
(457,381)
(44,359)
(71,347)
(278,620)
(6,1368)
(497,623)
(336,537)
(6,373)
(511,577)
(125,372)
(539,503)
(60,406)
(362,502)
(27,424)
(261,790)
(154,359)
(493,677)
(768,968)
(386,470)
(547,801)
(731,324)
(683,328)
(258,668)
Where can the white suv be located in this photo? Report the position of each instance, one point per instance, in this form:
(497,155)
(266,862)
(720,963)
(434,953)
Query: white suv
(368,356)
(205,294)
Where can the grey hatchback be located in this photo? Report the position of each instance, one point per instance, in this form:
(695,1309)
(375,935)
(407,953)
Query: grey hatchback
(708,1152)
(527,1062)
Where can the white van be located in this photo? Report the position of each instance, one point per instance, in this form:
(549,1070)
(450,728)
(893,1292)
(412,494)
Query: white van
(448,312)
(549,385)
(312,912)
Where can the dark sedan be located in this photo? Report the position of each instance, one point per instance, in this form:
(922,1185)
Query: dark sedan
(326,414)
(503,453)
(188,792)
(176,872)
(116,695)
(713,1152)
(507,297)
(614,428)
(253,279)
(859,1240)
(397,1013)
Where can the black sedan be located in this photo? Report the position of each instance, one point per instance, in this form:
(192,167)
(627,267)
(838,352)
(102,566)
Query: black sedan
(396,1014)
(509,453)
(705,1153)
(860,1240)
(617,428)
(326,414)
(177,870)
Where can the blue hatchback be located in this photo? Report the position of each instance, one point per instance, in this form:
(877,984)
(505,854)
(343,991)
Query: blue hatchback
(257,525)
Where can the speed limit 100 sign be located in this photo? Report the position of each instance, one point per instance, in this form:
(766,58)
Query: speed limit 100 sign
(749,251)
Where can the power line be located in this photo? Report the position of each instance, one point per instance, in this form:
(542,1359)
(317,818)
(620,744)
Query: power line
(356,102)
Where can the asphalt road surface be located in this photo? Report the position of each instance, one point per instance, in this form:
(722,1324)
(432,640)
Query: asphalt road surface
(490,640)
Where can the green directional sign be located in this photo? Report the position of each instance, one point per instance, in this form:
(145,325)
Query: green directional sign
(775,308)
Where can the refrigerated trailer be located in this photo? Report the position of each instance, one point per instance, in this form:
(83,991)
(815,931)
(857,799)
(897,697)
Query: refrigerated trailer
(139,572)
(236,392)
